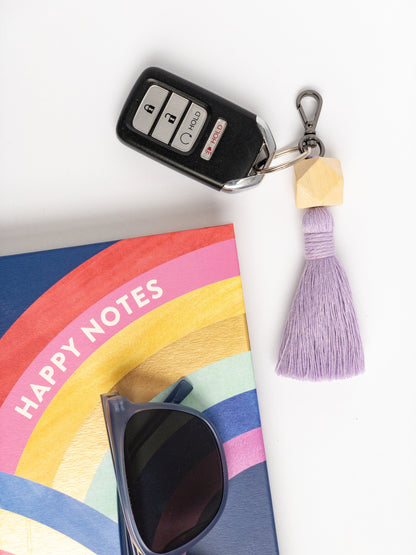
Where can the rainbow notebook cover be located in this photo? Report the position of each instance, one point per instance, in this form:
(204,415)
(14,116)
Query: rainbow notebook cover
(135,316)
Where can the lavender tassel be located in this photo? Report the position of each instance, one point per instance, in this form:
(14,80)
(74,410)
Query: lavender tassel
(321,339)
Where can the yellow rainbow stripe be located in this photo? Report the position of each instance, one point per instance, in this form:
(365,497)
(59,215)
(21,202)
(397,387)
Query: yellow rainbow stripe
(110,363)
(90,443)
(21,535)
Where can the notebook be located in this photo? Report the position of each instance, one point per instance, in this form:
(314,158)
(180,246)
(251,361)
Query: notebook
(134,316)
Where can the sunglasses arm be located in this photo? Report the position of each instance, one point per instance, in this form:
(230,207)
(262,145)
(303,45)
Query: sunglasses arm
(179,392)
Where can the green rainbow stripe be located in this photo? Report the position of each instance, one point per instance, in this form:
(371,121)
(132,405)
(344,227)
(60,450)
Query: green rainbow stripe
(212,384)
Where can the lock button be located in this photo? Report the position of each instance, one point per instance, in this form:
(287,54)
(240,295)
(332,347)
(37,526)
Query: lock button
(170,117)
(149,108)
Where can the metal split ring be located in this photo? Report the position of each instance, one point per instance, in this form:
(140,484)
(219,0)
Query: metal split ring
(289,163)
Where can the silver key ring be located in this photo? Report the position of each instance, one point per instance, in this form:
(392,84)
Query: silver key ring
(289,163)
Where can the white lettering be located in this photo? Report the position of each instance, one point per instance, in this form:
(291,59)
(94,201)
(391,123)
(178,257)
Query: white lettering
(151,286)
(138,297)
(95,329)
(25,410)
(110,322)
(71,347)
(123,301)
(39,391)
(46,373)
(110,316)
(58,360)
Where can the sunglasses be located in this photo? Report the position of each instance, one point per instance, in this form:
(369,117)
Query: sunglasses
(170,471)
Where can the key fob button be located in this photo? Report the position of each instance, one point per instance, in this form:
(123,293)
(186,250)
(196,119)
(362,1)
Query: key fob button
(213,139)
(190,128)
(149,108)
(169,119)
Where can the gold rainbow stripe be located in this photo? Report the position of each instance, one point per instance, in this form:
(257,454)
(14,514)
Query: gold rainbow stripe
(116,358)
(90,442)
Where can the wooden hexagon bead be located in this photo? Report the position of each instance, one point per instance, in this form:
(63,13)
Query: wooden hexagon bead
(319,182)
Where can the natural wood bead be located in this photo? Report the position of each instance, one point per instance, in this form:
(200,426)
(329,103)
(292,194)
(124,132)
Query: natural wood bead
(319,182)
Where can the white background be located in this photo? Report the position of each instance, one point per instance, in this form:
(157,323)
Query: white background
(342,455)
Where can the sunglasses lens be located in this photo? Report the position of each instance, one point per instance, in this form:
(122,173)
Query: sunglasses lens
(174,476)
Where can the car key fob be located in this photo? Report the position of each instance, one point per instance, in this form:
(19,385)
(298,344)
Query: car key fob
(195,131)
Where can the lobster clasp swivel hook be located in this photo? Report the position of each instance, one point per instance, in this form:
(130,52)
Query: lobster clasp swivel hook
(309,138)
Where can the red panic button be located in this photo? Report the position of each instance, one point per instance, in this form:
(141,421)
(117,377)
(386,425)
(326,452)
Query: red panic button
(213,140)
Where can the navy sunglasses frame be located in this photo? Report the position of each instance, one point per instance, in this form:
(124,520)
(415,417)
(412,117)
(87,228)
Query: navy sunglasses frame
(117,412)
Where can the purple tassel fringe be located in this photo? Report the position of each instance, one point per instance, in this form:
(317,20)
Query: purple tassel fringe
(321,339)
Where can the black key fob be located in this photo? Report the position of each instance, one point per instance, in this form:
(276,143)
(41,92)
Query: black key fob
(195,131)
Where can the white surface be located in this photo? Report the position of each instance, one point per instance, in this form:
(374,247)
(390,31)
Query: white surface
(342,456)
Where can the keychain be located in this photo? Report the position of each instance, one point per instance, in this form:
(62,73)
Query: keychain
(321,339)
(227,147)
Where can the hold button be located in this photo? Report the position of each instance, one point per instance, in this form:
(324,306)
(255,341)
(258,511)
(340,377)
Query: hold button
(190,128)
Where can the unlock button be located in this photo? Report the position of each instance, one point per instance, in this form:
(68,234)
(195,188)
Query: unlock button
(169,118)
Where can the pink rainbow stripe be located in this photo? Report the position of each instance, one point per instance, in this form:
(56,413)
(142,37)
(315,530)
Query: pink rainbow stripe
(177,277)
(244,451)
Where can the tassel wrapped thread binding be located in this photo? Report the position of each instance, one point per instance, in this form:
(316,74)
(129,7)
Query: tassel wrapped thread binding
(321,339)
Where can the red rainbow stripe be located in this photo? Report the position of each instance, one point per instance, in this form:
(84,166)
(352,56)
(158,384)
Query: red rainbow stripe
(196,269)
(84,286)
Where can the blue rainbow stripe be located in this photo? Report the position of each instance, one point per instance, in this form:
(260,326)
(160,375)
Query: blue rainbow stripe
(235,416)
